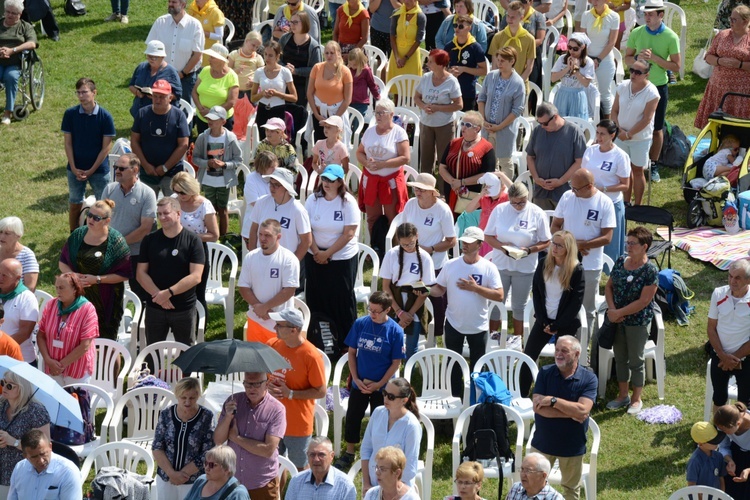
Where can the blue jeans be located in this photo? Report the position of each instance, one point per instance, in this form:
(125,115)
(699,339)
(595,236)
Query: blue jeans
(120,6)
(187,86)
(332,8)
(412,341)
(616,246)
(9,75)
(77,188)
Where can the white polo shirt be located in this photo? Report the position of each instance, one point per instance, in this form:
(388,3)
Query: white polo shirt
(180,40)
(733,318)
(585,218)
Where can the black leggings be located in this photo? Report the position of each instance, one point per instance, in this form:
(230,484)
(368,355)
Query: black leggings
(742,460)
(355,412)
(433,25)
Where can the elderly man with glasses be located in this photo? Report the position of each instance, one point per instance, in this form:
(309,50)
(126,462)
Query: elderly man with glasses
(554,153)
(533,484)
(321,480)
(252,423)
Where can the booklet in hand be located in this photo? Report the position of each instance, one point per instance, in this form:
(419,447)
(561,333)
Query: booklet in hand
(419,286)
(514,252)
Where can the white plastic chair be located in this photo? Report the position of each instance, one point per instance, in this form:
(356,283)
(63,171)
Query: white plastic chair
(321,420)
(519,157)
(531,114)
(410,116)
(549,47)
(144,405)
(549,349)
(588,475)
(187,108)
(423,480)
(354,117)
(607,265)
(235,205)
(707,404)
(200,336)
(216,292)
(362,292)
(108,352)
(162,355)
(458,443)
(483,7)
(403,86)
(123,455)
(696,492)
(410,173)
(317,5)
(353,178)
(588,129)
(436,398)
(652,352)
(260,16)
(619,67)
(229,26)
(304,182)
(528,181)
(376,59)
(670,11)
(130,319)
(99,398)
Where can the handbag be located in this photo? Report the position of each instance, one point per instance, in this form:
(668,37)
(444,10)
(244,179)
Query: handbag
(700,66)
(607,333)
(462,198)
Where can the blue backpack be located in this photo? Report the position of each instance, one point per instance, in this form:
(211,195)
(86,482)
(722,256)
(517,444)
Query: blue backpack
(673,295)
(492,386)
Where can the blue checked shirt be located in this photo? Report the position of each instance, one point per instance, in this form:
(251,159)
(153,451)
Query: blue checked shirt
(518,493)
(337,486)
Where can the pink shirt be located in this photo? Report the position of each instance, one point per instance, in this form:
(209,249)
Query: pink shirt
(330,156)
(80,325)
(364,85)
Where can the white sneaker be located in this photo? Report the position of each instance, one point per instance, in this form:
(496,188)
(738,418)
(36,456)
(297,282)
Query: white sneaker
(124,19)
(113,17)
(5,120)
(514,342)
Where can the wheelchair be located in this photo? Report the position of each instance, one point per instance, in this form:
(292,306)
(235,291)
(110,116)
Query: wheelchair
(30,85)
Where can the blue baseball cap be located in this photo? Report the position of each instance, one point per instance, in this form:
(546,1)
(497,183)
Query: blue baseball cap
(333,172)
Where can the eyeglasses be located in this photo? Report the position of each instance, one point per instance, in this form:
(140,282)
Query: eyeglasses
(558,245)
(381,113)
(279,327)
(519,203)
(390,397)
(274,184)
(382,469)
(209,465)
(572,48)
(467,125)
(544,124)
(97,218)
(465,483)
(638,72)
(579,189)
(374,312)
(122,169)
(7,385)
(254,385)
(528,471)
(294,22)
(632,243)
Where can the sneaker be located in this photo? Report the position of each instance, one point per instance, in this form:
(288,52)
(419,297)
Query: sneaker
(514,343)
(617,404)
(344,462)
(655,177)
(124,19)
(5,120)
(635,408)
(113,17)
(672,78)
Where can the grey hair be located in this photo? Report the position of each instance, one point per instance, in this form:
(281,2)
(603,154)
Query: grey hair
(224,456)
(575,344)
(18,4)
(518,190)
(386,104)
(546,109)
(741,264)
(12,224)
(318,440)
(542,464)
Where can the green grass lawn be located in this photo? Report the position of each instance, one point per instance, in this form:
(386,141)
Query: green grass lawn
(636,460)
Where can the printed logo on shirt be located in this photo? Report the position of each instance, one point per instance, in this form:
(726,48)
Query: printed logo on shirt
(429,220)
(338,215)
(274,272)
(606,166)
(592,215)
(523,224)
(414,268)
(477,278)
(284,222)
(370,342)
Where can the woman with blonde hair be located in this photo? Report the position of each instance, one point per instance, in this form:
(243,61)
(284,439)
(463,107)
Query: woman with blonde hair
(557,292)
(391,463)
(469,477)
(100,257)
(219,481)
(329,90)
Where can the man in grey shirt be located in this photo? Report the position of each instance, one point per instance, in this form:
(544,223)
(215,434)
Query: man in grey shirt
(554,153)
(135,209)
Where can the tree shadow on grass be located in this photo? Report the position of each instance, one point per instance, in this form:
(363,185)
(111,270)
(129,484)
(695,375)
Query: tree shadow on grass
(54,204)
(131,34)
(50,174)
(48,261)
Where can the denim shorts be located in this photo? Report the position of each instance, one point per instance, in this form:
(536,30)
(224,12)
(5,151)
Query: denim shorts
(295,449)
(77,189)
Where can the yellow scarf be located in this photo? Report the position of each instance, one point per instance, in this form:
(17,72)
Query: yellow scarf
(515,39)
(401,11)
(288,10)
(350,17)
(599,19)
(459,48)
(528,15)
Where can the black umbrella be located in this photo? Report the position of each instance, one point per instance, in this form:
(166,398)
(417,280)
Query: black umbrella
(230,356)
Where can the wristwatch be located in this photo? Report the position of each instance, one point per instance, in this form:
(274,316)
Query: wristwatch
(98,280)
(291,394)
(16,443)
(552,402)
(164,169)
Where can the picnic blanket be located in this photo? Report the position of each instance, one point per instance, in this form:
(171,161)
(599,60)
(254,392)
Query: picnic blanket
(710,244)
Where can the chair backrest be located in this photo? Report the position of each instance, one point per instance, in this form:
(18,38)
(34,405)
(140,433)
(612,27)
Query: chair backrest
(353,178)
(549,47)
(402,89)
(130,319)
(589,132)
(429,458)
(304,181)
(410,173)
(672,11)
(436,365)
(619,68)
(483,7)
(122,454)
(99,397)
(300,304)
(355,117)
(42,297)
(200,335)
(228,31)
(108,354)
(321,420)
(144,405)
(507,364)
(533,89)
(217,258)
(392,232)
(703,492)
(260,15)
(524,128)
(317,5)
(528,181)
(286,465)
(364,252)
(607,264)
(187,108)
(327,367)
(162,355)
(376,58)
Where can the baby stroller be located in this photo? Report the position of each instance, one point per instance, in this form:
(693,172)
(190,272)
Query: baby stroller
(707,206)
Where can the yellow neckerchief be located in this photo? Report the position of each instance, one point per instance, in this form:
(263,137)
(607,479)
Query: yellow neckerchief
(401,11)
(599,19)
(469,40)
(196,11)
(515,39)
(350,17)
(288,10)
(528,15)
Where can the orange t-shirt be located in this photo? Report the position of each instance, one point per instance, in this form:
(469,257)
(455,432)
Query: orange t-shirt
(307,372)
(10,347)
(329,91)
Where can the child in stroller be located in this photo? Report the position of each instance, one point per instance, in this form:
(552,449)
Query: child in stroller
(728,157)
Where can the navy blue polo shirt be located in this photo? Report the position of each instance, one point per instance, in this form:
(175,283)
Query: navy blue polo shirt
(88,131)
(563,437)
(471,57)
(159,135)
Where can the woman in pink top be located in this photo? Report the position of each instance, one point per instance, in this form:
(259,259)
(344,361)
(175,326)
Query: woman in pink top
(67,331)
(329,90)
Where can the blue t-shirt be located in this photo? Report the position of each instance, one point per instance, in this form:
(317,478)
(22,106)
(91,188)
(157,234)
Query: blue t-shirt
(377,346)
(471,57)
(705,470)
(159,134)
(88,132)
(563,437)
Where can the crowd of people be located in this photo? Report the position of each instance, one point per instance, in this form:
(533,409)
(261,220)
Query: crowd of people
(310,244)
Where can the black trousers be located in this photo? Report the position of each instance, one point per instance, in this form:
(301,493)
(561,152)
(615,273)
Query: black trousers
(538,338)
(355,412)
(454,340)
(720,381)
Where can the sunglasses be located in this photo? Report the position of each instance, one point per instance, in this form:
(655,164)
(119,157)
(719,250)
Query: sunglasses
(178,192)
(122,169)
(97,218)
(467,125)
(209,465)
(573,49)
(637,72)
(544,124)
(7,385)
(390,397)
(461,26)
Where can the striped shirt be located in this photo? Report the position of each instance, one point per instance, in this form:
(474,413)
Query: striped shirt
(80,325)
(28,261)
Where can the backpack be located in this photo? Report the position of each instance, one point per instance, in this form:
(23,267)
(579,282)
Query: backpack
(676,147)
(67,436)
(492,386)
(487,437)
(673,295)
(324,335)
(113,482)
(75,8)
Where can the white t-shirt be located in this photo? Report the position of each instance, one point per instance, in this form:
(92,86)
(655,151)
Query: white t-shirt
(283,77)
(599,37)
(607,167)
(434,224)
(585,218)
(255,187)
(632,107)
(442,94)
(467,311)
(266,275)
(553,293)
(554,10)
(733,318)
(571,81)
(23,307)
(383,147)
(410,272)
(522,228)
(327,220)
(195,221)
(291,215)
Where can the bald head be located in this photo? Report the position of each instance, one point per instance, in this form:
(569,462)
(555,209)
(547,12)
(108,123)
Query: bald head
(582,183)
(583,176)
(10,275)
